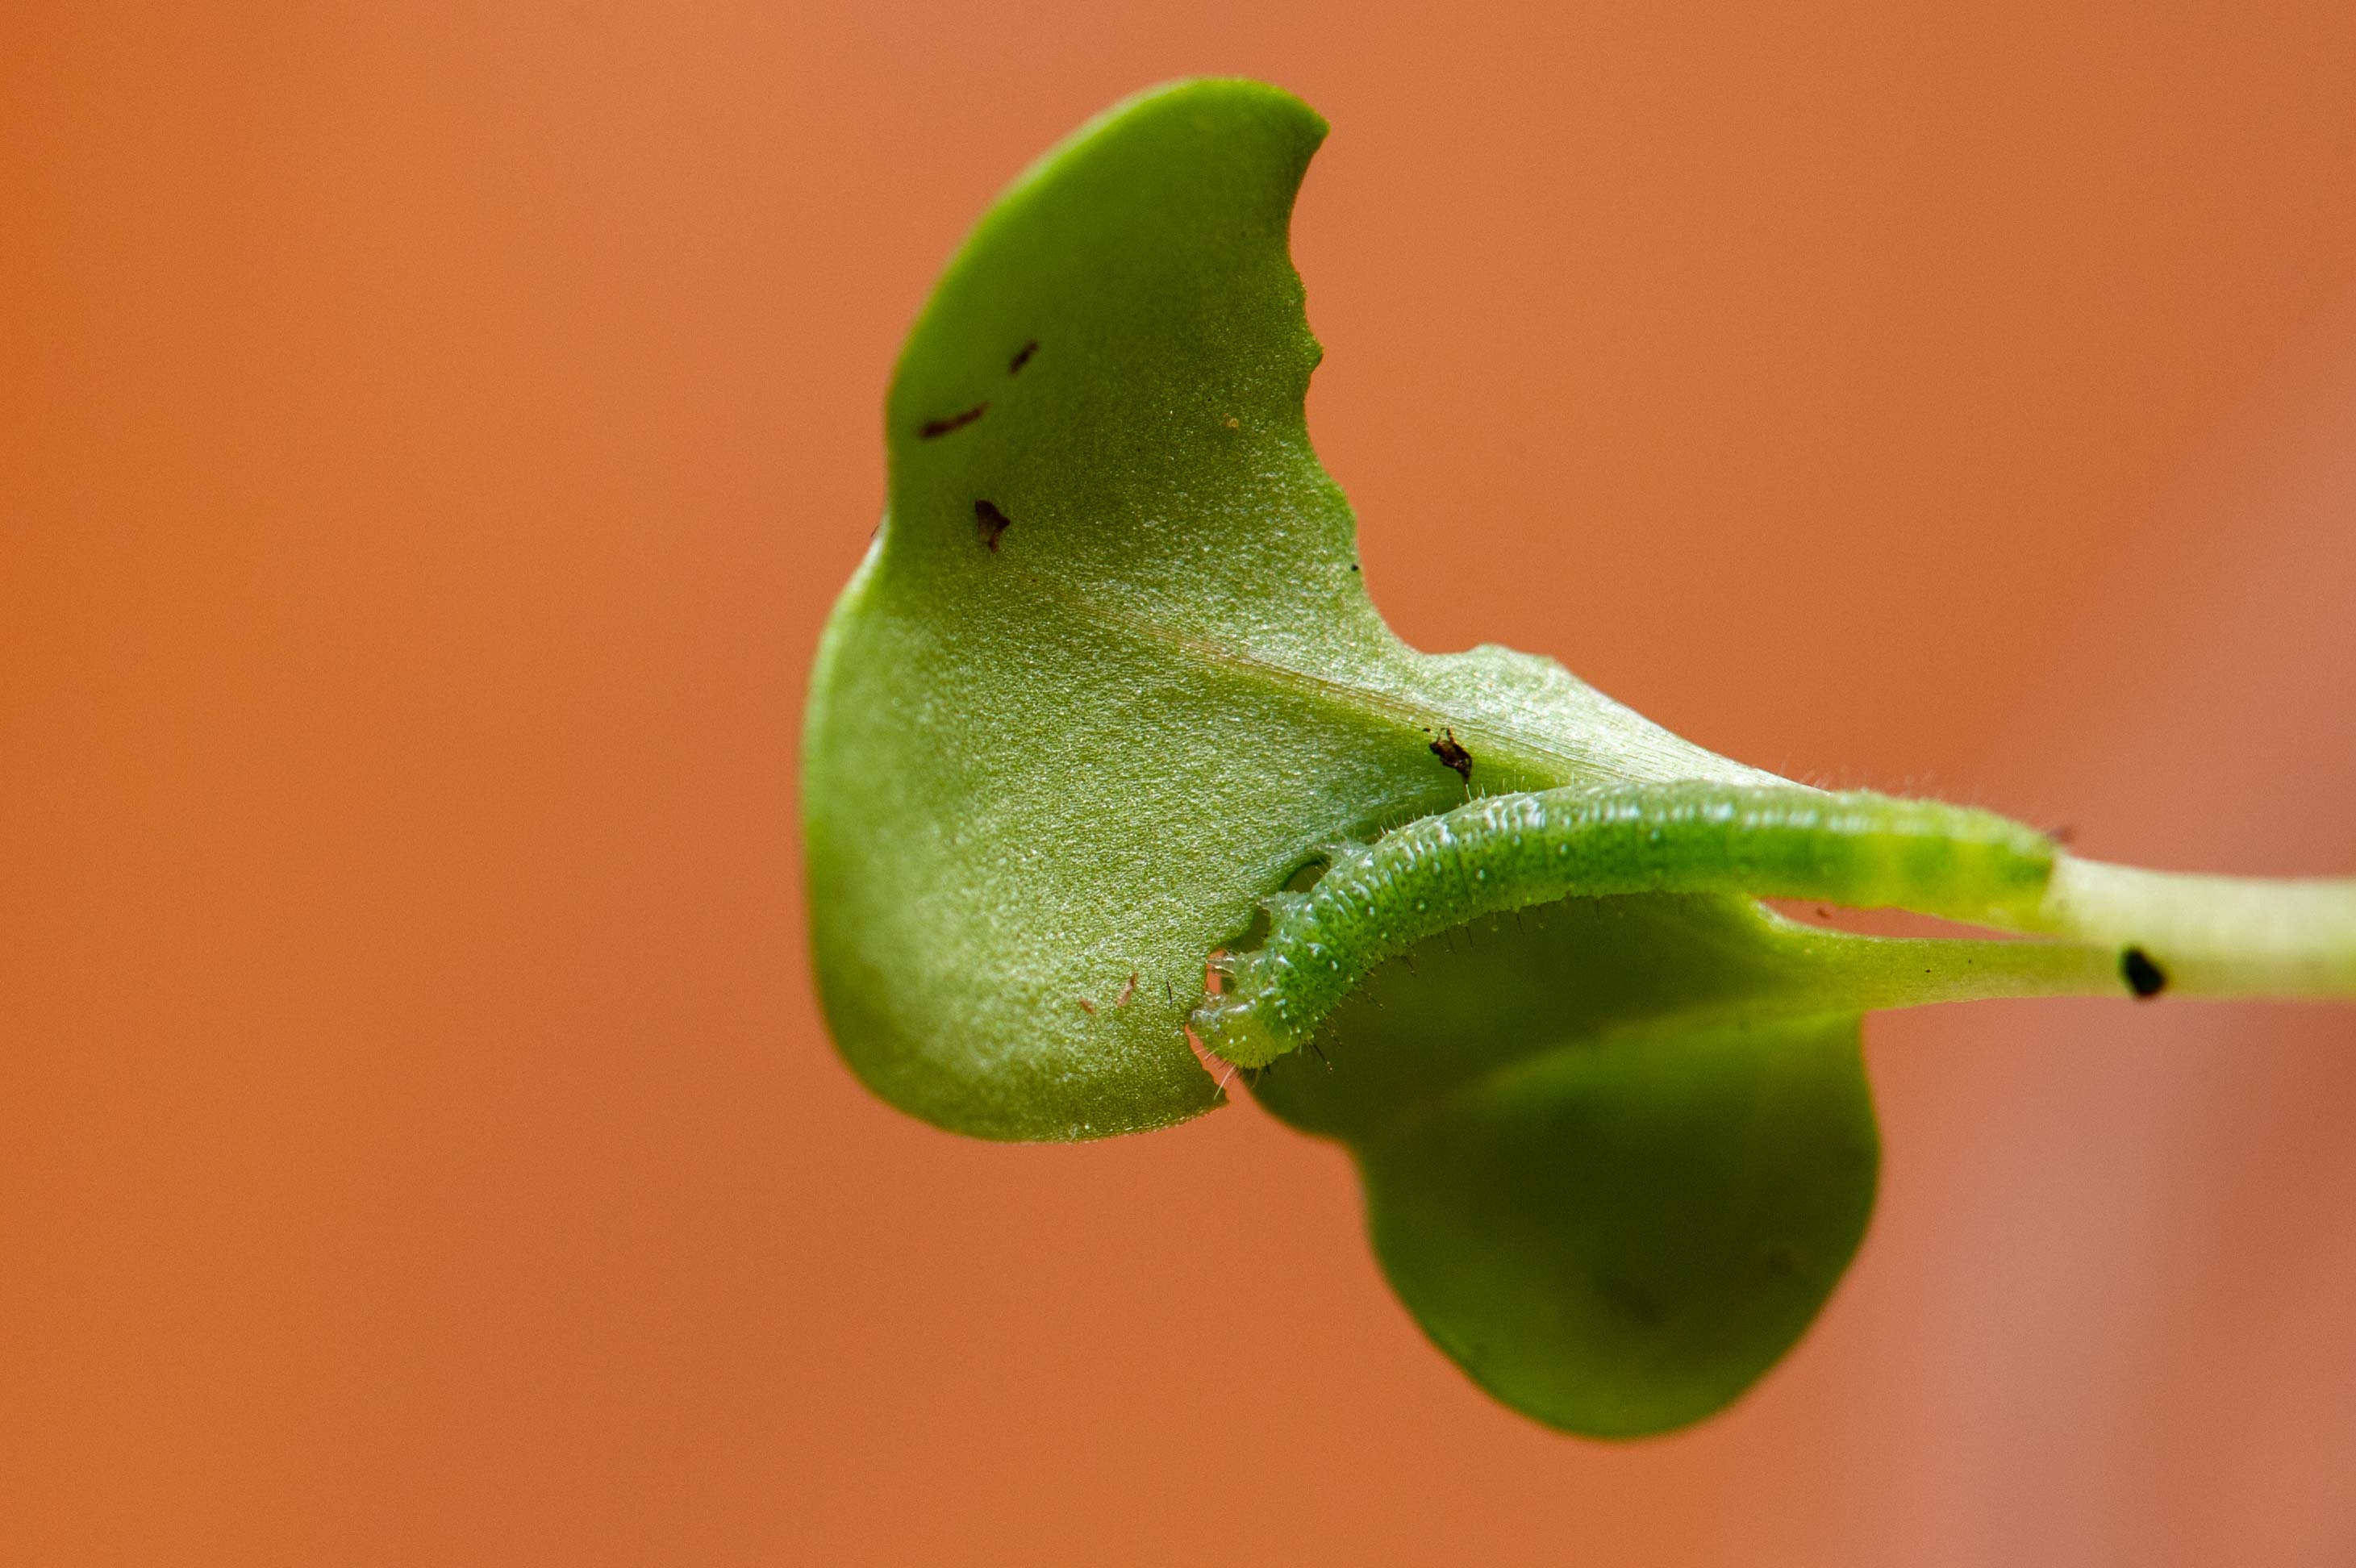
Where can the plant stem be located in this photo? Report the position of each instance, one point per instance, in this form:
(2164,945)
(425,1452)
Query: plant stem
(1873,972)
(2210,936)
(2195,936)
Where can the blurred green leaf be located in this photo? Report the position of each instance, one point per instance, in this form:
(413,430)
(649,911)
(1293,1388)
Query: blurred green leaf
(1616,1155)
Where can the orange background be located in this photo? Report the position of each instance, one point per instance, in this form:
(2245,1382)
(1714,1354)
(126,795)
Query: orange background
(429,441)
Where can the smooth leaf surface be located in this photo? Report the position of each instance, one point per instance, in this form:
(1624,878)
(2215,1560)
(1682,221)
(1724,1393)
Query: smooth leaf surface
(1621,1239)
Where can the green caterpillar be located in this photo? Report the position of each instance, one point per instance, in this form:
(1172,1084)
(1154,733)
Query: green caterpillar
(1508,852)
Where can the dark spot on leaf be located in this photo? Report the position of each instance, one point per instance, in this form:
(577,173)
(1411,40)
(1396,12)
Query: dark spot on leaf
(1454,754)
(2144,977)
(933,427)
(990,522)
(1022,356)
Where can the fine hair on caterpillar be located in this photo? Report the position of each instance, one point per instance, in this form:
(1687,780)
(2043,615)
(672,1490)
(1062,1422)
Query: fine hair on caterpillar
(1505,852)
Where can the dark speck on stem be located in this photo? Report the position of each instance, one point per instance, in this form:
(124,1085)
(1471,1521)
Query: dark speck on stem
(2144,978)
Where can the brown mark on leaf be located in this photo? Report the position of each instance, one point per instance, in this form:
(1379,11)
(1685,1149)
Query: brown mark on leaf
(1450,751)
(1022,356)
(1126,993)
(2144,978)
(1088,1006)
(990,522)
(934,427)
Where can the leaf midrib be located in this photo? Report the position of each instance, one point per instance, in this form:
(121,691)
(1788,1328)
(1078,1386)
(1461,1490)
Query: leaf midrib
(1551,762)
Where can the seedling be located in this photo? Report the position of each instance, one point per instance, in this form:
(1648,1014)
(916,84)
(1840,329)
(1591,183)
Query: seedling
(1108,698)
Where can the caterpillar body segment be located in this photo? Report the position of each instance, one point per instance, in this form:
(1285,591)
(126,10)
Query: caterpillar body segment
(1507,851)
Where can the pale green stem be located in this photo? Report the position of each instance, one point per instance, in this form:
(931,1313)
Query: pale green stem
(2195,936)
(1875,972)
(2210,936)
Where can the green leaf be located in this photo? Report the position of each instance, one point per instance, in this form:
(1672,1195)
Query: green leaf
(1616,1151)
(1045,756)
(1621,1239)
(1108,682)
